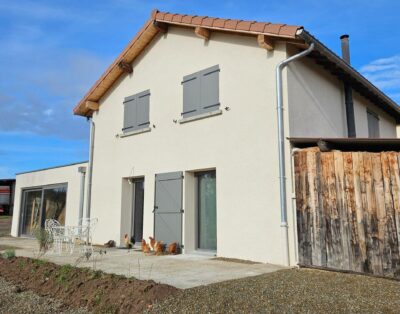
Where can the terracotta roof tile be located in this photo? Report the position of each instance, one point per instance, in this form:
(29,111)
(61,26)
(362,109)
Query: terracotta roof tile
(154,13)
(258,27)
(208,21)
(273,28)
(288,30)
(219,23)
(177,18)
(231,24)
(160,15)
(198,19)
(244,25)
(187,19)
(168,17)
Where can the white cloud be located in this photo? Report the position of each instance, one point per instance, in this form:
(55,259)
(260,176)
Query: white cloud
(385,74)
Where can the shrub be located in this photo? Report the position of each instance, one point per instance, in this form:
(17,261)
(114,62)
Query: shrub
(44,239)
(7,254)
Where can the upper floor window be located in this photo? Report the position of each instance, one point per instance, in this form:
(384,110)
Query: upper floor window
(201,92)
(136,111)
(373,124)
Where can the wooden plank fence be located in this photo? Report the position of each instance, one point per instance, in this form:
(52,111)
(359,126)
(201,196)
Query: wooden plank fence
(348,210)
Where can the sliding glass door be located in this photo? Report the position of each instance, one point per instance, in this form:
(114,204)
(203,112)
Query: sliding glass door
(41,204)
(54,201)
(207,211)
(31,211)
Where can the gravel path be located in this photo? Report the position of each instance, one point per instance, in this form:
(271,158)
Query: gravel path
(290,291)
(15,301)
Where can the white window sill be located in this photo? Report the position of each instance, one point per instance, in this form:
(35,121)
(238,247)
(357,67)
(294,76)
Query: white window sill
(201,116)
(140,131)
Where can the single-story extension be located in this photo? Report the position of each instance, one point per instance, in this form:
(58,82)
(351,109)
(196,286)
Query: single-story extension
(51,193)
(192,130)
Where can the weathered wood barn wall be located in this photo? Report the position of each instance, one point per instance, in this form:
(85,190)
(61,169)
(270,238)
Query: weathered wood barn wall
(348,210)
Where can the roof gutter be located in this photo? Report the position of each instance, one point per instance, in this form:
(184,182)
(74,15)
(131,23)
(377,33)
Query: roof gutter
(281,147)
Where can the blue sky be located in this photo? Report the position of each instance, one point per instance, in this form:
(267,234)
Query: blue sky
(52,51)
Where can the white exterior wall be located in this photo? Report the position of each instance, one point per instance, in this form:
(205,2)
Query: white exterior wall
(317,107)
(240,144)
(61,175)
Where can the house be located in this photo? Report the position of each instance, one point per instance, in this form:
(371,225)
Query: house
(187,143)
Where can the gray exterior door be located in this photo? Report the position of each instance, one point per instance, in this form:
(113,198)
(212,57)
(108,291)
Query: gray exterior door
(168,207)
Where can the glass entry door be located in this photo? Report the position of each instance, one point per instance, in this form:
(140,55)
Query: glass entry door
(207,211)
(138,200)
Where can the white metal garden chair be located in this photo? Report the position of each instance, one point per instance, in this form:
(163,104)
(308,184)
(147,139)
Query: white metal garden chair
(86,229)
(58,236)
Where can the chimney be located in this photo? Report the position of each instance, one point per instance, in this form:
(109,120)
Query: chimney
(348,94)
(345,48)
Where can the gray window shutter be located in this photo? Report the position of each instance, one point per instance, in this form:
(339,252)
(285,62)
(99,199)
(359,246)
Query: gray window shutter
(210,89)
(201,92)
(142,109)
(129,114)
(191,95)
(373,124)
(168,207)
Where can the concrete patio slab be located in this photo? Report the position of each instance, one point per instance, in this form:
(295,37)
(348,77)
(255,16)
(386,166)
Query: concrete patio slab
(182,271)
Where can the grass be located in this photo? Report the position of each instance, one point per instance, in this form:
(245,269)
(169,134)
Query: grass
(5,217)
(8,247)
(63,273)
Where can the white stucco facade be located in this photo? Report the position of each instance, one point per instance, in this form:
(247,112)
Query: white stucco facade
(248,216)
(63,175)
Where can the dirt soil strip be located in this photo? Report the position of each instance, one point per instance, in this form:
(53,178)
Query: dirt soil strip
(15,301)
(84,288)
(289,291)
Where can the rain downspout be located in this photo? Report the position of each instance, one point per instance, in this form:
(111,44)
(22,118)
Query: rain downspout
(90,169)
(82,171)
(281,145)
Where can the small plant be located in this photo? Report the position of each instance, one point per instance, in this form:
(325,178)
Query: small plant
(44,239)
(8,254)
(97,299)
(63,273)
(39,262)
(21,263)
(95,274)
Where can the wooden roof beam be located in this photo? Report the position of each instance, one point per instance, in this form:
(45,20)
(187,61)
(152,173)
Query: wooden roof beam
(125,66)
(92,105)
(265,42)
(202,32)
(162,27)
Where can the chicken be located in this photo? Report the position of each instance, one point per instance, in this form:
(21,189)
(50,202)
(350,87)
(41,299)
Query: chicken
(152,243)
(173,248)
(127,242)
(159,248)
(145,247)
